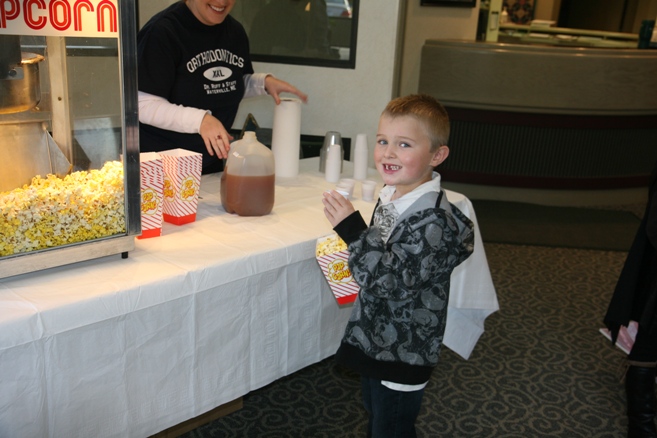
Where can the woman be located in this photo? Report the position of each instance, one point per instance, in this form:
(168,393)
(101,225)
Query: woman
(194,69)
(635,303)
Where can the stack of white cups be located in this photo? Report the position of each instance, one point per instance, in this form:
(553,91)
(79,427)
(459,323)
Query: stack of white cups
(286,137)
(361,157)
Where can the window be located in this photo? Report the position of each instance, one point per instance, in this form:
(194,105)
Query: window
(302,32)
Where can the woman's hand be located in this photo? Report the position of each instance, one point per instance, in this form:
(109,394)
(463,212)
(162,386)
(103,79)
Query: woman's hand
(216,138)
(275,87)
(336,207)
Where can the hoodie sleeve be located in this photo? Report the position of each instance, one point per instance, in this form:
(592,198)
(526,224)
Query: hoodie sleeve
(464,228)
(351,227)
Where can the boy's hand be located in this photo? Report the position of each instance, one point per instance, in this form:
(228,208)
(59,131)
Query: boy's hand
(336,207)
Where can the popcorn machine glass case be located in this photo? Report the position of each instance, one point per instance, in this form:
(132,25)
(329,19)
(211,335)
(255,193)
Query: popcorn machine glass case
(69,152)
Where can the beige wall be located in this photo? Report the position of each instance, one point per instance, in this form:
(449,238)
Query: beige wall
(547,10)
(431,22)
(646,10)
(148,8)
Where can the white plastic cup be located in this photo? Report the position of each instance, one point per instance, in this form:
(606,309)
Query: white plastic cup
(333,163)
(286,137)
(344,190)
(360,157)
(347,181)
(349,184)
(368,189)
(331,137)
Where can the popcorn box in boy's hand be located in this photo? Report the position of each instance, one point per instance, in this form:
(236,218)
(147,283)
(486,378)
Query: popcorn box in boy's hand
(182,181)
(333,257)
(151,173)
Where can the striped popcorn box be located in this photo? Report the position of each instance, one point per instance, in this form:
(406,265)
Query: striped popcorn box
(333,257)
(182,181)
(151,174)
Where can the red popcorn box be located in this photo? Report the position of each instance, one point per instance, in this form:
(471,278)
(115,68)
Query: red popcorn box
(182,181)
(151,174)
(332,256)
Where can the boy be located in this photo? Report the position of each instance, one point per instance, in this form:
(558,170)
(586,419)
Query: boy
(402,263)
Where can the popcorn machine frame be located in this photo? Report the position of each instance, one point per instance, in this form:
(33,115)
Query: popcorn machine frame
(69,172)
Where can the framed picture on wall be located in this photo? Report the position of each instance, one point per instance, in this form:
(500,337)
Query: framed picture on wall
(466,3)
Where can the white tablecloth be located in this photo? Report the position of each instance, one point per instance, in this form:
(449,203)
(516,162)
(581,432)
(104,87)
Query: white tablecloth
(193,319)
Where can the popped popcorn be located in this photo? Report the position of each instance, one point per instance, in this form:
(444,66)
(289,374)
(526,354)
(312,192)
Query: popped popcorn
(330,245)
(333,259)
(55,211)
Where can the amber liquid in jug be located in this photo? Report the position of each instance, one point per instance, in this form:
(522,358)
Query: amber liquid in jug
(248,195)
(248,180)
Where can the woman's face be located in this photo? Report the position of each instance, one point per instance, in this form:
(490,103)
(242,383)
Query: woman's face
(210,12)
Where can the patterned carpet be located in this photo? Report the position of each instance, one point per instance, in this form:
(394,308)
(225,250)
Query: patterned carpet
(541,369)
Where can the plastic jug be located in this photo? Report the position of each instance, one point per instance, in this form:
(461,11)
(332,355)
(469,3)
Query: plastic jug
(248,181)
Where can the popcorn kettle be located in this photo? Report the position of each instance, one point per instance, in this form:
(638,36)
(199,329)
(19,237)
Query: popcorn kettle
(69,174)
(19,76)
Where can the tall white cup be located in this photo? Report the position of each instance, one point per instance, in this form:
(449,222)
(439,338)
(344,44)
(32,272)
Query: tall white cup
(331,137)
(333,163)
(361,157)
(286,137)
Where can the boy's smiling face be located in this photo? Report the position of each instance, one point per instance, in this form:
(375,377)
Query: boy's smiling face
(403,154)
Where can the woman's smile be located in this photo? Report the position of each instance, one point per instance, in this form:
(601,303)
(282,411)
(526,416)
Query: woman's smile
(217,9)
(208,13)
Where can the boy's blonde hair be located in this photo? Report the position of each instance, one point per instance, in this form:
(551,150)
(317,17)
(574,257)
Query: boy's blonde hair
(425,109)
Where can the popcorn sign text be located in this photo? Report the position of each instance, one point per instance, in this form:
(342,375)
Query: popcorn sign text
(59,17)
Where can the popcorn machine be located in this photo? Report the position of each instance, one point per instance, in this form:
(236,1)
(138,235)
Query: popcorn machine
(69,152)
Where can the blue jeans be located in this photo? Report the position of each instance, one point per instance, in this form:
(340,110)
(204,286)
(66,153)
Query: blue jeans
(392,414)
